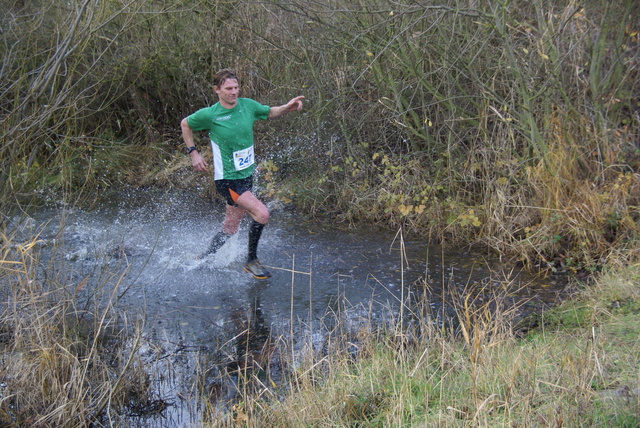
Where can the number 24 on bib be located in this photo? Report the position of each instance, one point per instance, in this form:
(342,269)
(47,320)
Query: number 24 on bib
(243,158)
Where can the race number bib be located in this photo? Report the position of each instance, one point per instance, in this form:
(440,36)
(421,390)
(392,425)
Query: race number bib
(243,158)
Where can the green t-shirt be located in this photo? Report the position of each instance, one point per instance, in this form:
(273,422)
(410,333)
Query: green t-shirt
(231,134)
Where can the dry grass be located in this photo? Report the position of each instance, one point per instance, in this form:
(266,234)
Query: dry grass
(70,358)
(68,355)
(507,127)
(512,127)
(479,374)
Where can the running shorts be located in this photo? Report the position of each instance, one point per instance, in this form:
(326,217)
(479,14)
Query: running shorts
(232,189)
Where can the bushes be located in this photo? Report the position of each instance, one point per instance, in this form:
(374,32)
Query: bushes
(488,115)
(495,123)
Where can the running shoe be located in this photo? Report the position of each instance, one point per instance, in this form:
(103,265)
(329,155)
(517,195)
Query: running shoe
(256,269)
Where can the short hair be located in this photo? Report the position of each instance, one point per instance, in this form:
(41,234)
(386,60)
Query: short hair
(221,76)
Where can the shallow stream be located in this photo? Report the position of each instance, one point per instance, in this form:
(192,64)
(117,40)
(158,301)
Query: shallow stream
(194,307)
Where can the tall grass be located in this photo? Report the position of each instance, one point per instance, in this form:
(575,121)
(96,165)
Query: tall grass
(458,118)
(69,355)
(485,122)
(579,367)
(79,81)
(507,124)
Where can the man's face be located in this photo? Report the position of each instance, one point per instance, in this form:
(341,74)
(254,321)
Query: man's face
(228,93)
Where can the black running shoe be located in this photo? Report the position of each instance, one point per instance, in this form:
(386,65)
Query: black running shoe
(256,269)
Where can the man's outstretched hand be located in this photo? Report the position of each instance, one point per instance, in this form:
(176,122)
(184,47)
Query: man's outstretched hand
(295,104)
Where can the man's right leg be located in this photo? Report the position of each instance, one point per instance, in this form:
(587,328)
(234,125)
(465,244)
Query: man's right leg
(232,219)
(260,214)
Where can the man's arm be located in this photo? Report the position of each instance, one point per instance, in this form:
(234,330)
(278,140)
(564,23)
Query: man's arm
(198,162)
(294,104)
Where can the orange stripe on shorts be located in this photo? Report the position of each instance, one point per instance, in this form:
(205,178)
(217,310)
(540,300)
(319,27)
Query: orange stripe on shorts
(234,196)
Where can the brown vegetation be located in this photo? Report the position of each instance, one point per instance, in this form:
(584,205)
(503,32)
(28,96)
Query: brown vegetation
(512,125)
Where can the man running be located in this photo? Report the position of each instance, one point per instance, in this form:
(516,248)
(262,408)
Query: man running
(230,125)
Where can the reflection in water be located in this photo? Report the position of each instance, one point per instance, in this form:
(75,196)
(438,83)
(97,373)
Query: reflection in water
(210,317)
(253,353)
(252,341)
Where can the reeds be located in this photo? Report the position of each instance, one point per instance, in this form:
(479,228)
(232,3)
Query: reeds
(482,122)
(474,369)
(455,117)
(65,72)
(69,356)
(509,124)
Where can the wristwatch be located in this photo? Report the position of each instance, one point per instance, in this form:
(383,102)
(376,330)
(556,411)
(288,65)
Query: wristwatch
(191,149)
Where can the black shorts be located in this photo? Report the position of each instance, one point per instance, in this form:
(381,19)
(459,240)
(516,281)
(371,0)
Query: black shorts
(232,189)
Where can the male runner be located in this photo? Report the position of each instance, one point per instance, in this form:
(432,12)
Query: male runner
(230,125)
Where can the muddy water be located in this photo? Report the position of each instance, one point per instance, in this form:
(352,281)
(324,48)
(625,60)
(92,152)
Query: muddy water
(204,307)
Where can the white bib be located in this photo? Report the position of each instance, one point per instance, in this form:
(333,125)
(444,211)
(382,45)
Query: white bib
(243,158)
